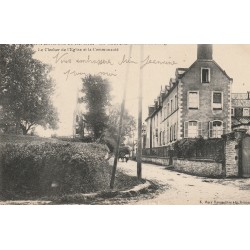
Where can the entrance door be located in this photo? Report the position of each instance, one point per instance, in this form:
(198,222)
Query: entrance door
(246,157)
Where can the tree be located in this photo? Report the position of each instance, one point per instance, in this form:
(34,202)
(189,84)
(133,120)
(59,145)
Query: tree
(111,134)
(97,99)
(26,89)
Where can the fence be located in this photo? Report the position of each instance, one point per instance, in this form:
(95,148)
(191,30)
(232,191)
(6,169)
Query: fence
(197,148)
(158,151)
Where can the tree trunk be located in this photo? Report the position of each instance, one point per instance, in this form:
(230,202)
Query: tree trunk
(17,128)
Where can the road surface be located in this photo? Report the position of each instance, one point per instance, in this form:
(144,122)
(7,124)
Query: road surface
(179,188)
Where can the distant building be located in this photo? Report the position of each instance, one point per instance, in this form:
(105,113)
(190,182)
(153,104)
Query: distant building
(240,111)
(196,102)
(79,124)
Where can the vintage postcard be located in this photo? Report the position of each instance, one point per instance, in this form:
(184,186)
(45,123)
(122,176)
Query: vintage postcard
(124,124)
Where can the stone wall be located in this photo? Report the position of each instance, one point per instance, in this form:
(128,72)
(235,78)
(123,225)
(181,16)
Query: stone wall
(231,158)
(232,153)
(204,168)
(156,160)
(191,81)
(230,165)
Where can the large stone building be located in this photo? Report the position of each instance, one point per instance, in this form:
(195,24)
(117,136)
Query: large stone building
(197,102)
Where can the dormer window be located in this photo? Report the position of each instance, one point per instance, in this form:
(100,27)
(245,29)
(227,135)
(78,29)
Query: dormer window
(246,112)
(205,75)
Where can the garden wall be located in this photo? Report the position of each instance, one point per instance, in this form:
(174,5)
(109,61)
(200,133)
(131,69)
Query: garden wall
(206,168)
(158,161)
(220,157)
(201,167)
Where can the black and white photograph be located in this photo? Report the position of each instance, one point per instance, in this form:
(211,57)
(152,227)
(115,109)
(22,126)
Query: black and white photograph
(124,124)
(131,124)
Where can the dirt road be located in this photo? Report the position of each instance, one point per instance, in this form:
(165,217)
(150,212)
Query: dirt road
(181,188)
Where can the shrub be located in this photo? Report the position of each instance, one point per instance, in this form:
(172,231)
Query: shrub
(46,168)
(200,148)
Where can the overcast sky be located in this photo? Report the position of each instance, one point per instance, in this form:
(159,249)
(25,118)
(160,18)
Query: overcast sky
(71,62)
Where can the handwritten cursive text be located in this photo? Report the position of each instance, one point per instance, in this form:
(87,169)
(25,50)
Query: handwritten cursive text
(148,61)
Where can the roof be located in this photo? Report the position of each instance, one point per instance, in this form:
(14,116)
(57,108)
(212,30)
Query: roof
(179,72)
(153,113)
(198,60)
(240,96)
(240,103)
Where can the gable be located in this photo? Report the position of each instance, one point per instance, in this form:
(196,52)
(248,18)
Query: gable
(198,64)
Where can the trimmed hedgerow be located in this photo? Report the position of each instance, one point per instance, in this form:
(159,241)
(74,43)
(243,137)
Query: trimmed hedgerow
(51,168)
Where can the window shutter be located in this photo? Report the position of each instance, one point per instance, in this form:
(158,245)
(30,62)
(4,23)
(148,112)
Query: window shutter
(174,133)
(171,129)
(224,127)
(199,128)
(175,130)
(170,132)
(210,129)
(186,129)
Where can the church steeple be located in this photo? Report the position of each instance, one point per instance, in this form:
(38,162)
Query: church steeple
(205,52)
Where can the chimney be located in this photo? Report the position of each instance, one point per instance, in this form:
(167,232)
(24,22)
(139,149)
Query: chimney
(150,110)
(205,52)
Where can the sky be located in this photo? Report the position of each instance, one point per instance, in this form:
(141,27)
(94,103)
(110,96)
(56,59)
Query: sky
(71,63)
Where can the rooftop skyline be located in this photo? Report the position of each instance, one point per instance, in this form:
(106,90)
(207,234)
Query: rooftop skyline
(72,62)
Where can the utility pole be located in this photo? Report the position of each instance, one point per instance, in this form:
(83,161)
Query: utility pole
(139,147)
(112,181)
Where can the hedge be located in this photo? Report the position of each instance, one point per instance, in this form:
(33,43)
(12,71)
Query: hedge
(52,168)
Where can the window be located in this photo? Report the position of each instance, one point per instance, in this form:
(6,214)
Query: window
(163,137)
(160,141)
(156,133)
(77,118)
(216,129)
(175,102)
(192,129)
(205,75)
(171,106)
(232,111)
(170,133)
(168,136)
(217,100)
(193,99)
(174,132)
(168,110)
(246,112)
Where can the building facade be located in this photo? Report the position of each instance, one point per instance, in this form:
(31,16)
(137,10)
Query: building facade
(240,111)
(197,102)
